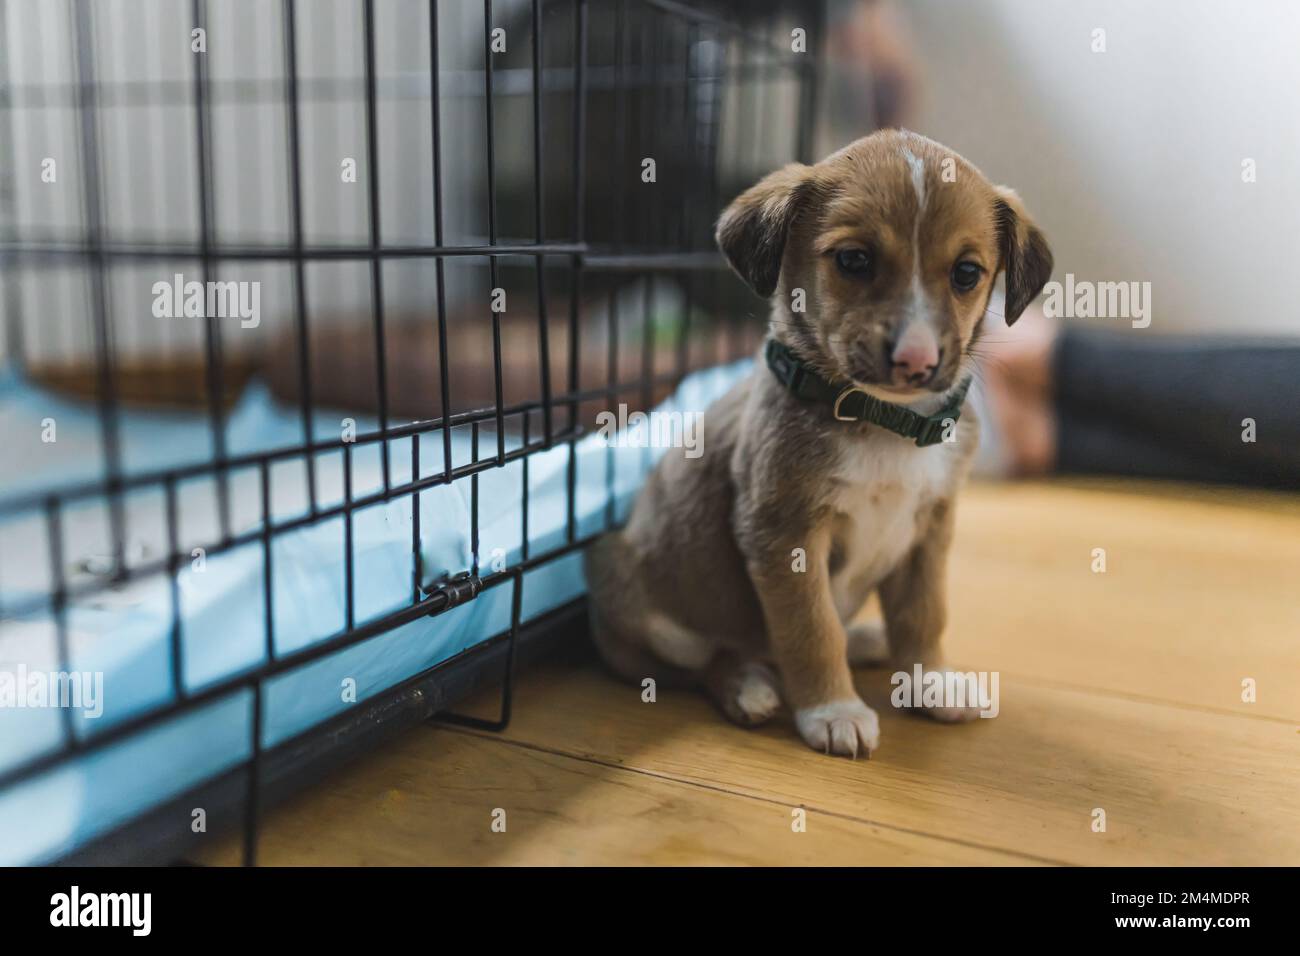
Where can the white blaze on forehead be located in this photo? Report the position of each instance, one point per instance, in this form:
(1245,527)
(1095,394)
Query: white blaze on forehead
(917,167)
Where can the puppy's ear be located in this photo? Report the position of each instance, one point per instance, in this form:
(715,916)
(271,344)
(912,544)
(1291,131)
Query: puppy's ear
(1026,258)
(752,231)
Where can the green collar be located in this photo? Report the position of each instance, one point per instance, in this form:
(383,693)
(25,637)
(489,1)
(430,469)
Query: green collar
(851,404)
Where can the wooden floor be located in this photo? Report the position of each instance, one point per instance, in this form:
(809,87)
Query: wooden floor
(1120,691)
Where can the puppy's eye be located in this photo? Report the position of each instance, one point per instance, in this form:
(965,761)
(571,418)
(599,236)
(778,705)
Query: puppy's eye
(855,262)
(966,276)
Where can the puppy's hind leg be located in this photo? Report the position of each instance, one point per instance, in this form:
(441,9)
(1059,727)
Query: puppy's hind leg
(747,691)
(623,627)
(868,643)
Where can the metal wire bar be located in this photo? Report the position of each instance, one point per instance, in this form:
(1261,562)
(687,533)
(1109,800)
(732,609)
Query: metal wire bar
(54,535)
(109,430)
(417,558)
(253,796)
(575,263)
(213,359)
(440,278)
(539,221)
(399,88)
(349,507)
(376,234)
(293,142)
(497,385)
(35,251)
(15,341)
(172,520)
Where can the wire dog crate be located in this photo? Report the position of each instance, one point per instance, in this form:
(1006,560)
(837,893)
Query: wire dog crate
(469,227)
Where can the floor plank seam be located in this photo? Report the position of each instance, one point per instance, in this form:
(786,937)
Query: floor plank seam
(1145,699)
(772,801)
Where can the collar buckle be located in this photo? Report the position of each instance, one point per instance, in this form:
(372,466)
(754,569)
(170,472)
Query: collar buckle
(839,401)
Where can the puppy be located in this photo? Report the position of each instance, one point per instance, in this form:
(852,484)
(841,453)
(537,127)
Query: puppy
(832,467)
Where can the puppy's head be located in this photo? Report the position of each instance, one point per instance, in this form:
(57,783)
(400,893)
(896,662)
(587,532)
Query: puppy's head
(895,242)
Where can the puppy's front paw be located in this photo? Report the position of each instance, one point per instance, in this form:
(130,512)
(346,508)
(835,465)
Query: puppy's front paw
(846,727)
(749,695)
(952,715)
(964,696)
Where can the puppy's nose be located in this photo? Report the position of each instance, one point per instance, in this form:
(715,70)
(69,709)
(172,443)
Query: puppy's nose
(915,356)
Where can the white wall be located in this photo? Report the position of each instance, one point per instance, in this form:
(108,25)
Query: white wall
(1131,159)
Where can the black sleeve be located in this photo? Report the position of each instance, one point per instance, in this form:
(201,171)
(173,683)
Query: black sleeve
(1155,406)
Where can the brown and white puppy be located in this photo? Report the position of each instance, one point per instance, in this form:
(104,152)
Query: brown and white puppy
(742,570)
